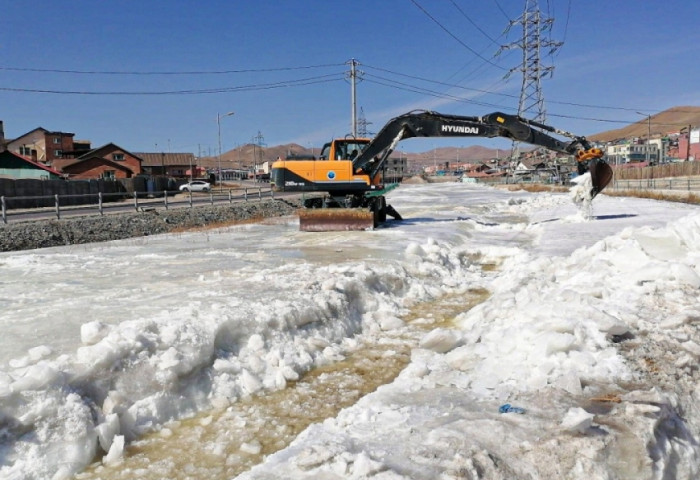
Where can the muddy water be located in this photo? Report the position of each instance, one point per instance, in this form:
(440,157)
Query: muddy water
(221,444)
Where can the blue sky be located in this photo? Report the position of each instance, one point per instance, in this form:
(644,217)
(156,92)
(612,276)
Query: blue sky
(281,66)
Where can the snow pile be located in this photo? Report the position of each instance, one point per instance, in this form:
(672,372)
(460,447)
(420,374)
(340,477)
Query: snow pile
(130,378)
(562,337)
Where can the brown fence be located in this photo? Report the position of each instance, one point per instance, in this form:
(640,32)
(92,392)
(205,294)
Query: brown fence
(670,170)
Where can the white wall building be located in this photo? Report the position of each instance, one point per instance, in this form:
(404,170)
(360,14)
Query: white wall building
(633,152)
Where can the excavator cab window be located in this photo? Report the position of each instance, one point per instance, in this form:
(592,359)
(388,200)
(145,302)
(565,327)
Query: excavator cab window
(340,153)
(325,152)
(351,148)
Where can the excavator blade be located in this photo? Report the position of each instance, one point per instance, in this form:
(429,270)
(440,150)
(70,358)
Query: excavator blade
(335,219)
(601,174)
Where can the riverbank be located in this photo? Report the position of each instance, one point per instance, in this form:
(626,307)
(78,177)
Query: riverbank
(73,231)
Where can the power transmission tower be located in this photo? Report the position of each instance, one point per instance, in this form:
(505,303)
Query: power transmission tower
(259,141)
(536,38)
(362,124)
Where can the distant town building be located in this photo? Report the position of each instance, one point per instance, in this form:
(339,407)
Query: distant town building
(633,152)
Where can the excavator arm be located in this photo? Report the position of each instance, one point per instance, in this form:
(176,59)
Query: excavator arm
(433,124)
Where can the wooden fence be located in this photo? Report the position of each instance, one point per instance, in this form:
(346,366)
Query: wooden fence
(669,170)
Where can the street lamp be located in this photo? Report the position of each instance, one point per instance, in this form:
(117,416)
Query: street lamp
(648,133)
(218,124)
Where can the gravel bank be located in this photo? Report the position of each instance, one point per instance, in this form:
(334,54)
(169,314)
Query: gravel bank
(71,231)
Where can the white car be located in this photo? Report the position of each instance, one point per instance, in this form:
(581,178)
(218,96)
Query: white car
(196,186)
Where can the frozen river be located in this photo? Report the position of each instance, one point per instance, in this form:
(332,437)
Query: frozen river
(106,344)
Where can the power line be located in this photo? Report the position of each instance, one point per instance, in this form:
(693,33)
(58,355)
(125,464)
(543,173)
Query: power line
(491,92)
(501,9)
(455,37)
(472,22)
(201,72)
(242,88)
(414,89)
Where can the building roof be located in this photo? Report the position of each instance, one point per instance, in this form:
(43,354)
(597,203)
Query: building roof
(166,159)
(31,162)
(10,140)
(108,146)
(69,165)
(532,163)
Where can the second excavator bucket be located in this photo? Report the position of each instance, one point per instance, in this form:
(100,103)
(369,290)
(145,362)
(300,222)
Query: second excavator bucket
(601,174)
(335,219)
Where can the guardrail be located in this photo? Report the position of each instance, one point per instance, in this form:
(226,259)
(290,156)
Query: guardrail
(101,203)
(680,184)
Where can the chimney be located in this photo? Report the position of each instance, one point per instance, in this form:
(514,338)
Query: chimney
(2,137)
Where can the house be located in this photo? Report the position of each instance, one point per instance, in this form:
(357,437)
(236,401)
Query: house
(527,166)
(42,145)
(630,152)
(168,164)
(109,162)
(15,166)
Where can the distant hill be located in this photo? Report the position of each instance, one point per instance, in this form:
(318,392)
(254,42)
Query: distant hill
(243,155)
(662,123)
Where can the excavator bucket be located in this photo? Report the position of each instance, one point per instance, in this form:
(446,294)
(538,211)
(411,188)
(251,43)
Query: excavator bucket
(601,174)
(335,219)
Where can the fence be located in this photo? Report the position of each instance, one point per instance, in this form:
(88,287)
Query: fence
(668,170)
(100,203)
(678,184)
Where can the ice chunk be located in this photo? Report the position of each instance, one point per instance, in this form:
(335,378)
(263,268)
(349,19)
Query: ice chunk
(116,451)
(253,448)
(612,326)
(364,466)
(93,332)
(390,323)
(37,353)
(107,430)
(685,275)
(440,340)
(559,342)
(691,347)
(256,342)
(250,383)
(660,244)
(35,378)
(577,420)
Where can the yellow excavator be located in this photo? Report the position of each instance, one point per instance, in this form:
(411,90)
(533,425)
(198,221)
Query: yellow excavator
(349,172)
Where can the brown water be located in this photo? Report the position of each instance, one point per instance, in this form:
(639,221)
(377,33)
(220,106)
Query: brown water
(221,444)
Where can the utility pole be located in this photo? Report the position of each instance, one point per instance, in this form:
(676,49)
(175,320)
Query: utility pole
(648,139)
(218,124)
(353,96)
(687,147)
(648,142)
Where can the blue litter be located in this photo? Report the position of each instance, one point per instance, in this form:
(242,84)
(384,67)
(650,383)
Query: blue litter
(507,408)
